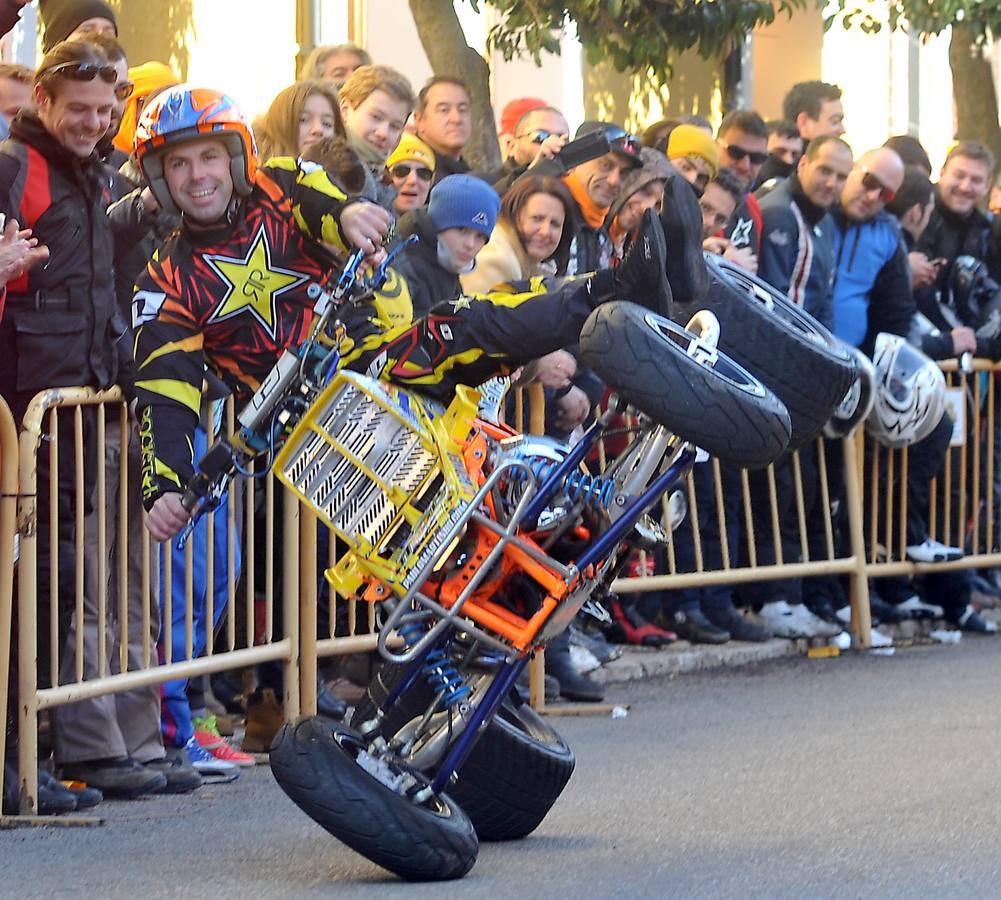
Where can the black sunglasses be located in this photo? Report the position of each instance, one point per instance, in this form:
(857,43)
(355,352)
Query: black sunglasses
(871,183)
(537,137)
(84,72)
(400,170)
(738,153)
(124,90)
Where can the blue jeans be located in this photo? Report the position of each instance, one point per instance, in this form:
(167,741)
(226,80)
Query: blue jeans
(175,711)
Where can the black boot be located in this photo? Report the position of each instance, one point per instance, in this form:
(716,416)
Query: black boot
(642,275)
(573,685)
(686,266)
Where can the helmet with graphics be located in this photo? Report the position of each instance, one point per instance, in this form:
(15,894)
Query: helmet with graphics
(184,113)
(910,393)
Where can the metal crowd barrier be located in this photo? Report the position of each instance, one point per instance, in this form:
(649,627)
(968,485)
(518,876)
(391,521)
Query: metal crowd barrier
(965,498)
(8,537)
(965,508)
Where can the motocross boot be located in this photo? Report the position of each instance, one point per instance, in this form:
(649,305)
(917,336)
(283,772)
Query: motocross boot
(686,266)
(642,275)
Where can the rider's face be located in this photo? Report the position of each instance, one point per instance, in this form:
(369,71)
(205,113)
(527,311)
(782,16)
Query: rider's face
(199,179)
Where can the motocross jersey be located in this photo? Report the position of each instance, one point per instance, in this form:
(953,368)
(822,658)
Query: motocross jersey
(234,298)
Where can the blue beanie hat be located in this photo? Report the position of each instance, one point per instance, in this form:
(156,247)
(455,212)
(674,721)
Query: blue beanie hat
(462,201)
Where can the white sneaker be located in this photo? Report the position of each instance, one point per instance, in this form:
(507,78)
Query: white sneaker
(929,551)
(879,639)
(915,608)
(795,621)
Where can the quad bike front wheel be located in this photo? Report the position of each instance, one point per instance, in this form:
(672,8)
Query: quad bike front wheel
(652,363)
(514,774)
(370,803)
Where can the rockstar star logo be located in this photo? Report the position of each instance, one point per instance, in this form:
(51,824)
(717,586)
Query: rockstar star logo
(460,303)
(741,235)
(252,283)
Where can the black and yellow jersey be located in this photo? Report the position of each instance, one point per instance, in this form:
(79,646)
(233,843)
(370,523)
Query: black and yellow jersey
(234,298)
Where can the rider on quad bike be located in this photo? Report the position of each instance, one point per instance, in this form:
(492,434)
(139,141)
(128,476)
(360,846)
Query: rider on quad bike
(229,289)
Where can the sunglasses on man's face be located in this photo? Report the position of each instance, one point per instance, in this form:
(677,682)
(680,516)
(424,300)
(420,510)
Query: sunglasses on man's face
(84,72)
(539,136)
(871,182)
(755,157)
(124,90)
(402,171)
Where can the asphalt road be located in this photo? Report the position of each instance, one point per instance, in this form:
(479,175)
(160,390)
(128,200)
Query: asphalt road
(864,776)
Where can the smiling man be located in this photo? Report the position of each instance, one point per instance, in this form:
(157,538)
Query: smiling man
(958,226)
(60,326)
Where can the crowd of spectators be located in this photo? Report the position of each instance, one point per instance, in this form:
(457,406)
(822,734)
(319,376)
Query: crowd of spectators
(863,241)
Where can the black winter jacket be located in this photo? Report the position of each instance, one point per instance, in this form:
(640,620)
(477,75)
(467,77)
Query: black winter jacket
(429,283)
(61,326)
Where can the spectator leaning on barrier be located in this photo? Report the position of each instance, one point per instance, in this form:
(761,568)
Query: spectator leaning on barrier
(334,63)
(60,326)
(375,103)
(444,121)
(410,169)
(642,189)
(872,293)
(797,259)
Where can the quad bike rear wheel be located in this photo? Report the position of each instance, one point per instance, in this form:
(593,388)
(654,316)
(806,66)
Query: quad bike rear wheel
(320,766)
(785,347)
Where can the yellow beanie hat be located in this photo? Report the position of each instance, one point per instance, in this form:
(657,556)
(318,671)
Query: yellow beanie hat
(690,140)
(411,149)
(149,78)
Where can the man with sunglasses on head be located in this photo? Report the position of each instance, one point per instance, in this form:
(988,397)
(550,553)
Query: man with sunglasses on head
(743,148)
(61,327)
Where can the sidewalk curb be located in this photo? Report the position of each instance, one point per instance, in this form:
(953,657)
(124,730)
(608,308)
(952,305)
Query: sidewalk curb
(637,663)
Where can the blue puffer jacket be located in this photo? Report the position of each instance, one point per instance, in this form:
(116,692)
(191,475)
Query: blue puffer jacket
(872,281)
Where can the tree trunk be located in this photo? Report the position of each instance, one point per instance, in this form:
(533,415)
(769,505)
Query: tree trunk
(973,91)
(449,54)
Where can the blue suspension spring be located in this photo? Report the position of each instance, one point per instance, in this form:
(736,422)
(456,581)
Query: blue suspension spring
(437,669)
(595,490)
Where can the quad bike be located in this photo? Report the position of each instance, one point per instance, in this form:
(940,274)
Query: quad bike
(479,545)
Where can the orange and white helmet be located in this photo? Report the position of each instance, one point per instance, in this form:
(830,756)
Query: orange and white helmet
(184,113)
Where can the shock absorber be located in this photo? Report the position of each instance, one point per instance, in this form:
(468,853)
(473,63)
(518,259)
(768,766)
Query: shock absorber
(438,669)
(594,490)
(444,678)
